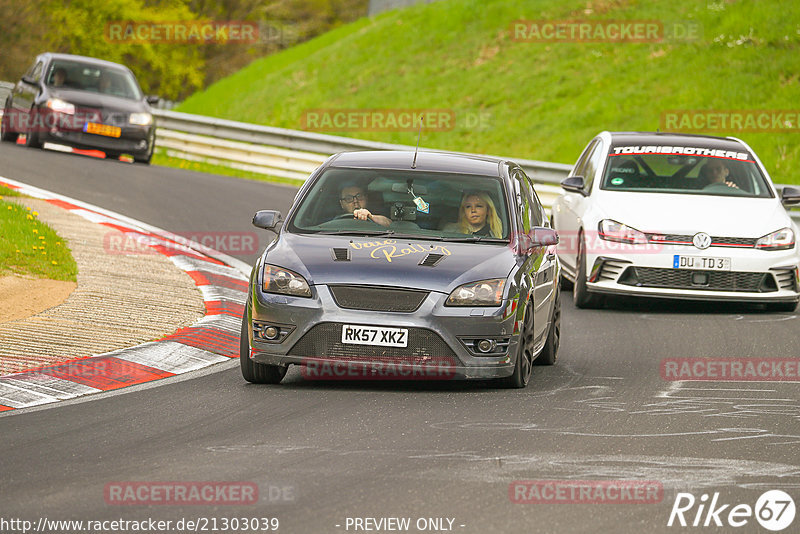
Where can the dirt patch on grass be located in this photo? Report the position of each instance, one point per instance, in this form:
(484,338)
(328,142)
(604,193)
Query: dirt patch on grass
(22,296)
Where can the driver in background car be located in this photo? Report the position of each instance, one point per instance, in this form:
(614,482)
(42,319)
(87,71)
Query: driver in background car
(477,216)
(716,172)
(104,84)
(59,77)
(353,199)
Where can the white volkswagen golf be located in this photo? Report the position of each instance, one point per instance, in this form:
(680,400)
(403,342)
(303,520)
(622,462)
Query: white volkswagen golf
(676,216)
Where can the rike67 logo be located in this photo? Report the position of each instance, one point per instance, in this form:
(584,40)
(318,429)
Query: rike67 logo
(774,510)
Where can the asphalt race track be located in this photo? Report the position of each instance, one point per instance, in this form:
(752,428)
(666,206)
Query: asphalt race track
(323,452)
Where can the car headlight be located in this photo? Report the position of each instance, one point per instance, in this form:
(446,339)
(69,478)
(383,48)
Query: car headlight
(781,240)
(611,230)
(56,104)
(483,293)
(284,282)
(142,119)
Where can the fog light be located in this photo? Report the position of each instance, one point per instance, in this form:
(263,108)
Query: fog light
(486,345)
(270,332)
(142,144)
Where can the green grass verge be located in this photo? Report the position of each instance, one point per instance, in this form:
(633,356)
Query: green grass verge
(160,158)
(532,100)
(30,247)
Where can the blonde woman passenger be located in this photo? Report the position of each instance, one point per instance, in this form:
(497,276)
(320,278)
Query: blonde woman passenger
(477,216)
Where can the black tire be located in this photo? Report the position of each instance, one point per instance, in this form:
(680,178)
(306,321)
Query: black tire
(6,135)
(566,283)
(524,366)
(786,307)
(549,353)
(32,139)
(144,160)
(580,294)
(257,373)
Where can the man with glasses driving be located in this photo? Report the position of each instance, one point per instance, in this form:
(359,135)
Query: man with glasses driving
(353,199)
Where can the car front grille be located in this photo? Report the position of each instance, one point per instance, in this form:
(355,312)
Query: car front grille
(325,341)
(686,279)
(377,298)
(681,239)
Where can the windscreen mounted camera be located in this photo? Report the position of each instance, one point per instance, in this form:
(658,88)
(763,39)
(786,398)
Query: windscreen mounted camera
(403,212)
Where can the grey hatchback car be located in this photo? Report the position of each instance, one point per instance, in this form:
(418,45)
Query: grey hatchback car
(396,265)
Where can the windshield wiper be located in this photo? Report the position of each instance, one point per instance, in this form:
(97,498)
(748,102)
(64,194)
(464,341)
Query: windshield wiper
(355,232)
(475,239)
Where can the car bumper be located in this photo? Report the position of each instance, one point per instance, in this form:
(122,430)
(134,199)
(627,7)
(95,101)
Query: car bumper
(136,141)
(754,275)
(437,348)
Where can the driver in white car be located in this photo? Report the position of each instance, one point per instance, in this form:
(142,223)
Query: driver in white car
(716,172)
(353,199)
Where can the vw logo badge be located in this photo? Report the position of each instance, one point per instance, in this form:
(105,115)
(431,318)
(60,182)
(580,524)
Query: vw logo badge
(701,240)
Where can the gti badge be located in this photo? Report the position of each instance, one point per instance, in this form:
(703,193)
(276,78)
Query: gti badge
(701,240)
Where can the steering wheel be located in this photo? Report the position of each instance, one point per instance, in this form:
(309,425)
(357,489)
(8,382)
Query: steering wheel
(721,187)
(345,216)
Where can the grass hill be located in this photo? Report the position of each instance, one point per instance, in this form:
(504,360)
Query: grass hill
(535,100)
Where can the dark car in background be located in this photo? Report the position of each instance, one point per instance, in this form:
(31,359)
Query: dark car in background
(81,102)
(421,286)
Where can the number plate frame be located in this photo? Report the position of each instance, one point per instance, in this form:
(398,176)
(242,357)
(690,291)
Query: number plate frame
(379,336)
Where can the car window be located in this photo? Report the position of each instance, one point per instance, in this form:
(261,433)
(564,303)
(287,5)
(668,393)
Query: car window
(35,71)
(581,164)
(593,162)
(97,79)
(425,205)
(730,174)
(533,208)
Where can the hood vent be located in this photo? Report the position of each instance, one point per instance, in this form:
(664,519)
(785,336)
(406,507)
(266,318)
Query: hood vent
(431,260)
(340,254)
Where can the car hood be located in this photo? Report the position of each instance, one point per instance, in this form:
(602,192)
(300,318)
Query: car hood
(389,262)
(688,214)
(96,100)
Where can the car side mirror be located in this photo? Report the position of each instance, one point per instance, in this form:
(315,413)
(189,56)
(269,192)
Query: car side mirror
(153,99)
(574,184)
(544,237)
(266,219)
(539,236)
(28,79)
(790,196)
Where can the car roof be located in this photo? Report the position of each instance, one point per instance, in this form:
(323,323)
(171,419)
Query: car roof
(427,161)
(674,139)
(82,59)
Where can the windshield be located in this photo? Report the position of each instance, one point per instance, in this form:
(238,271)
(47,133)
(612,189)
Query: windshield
(93,78)
(438,206)
(689,174)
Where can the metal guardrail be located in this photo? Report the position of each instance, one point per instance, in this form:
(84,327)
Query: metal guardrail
(295,154)
(308,143)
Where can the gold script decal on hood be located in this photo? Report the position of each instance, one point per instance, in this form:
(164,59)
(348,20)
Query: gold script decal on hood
(389,249)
